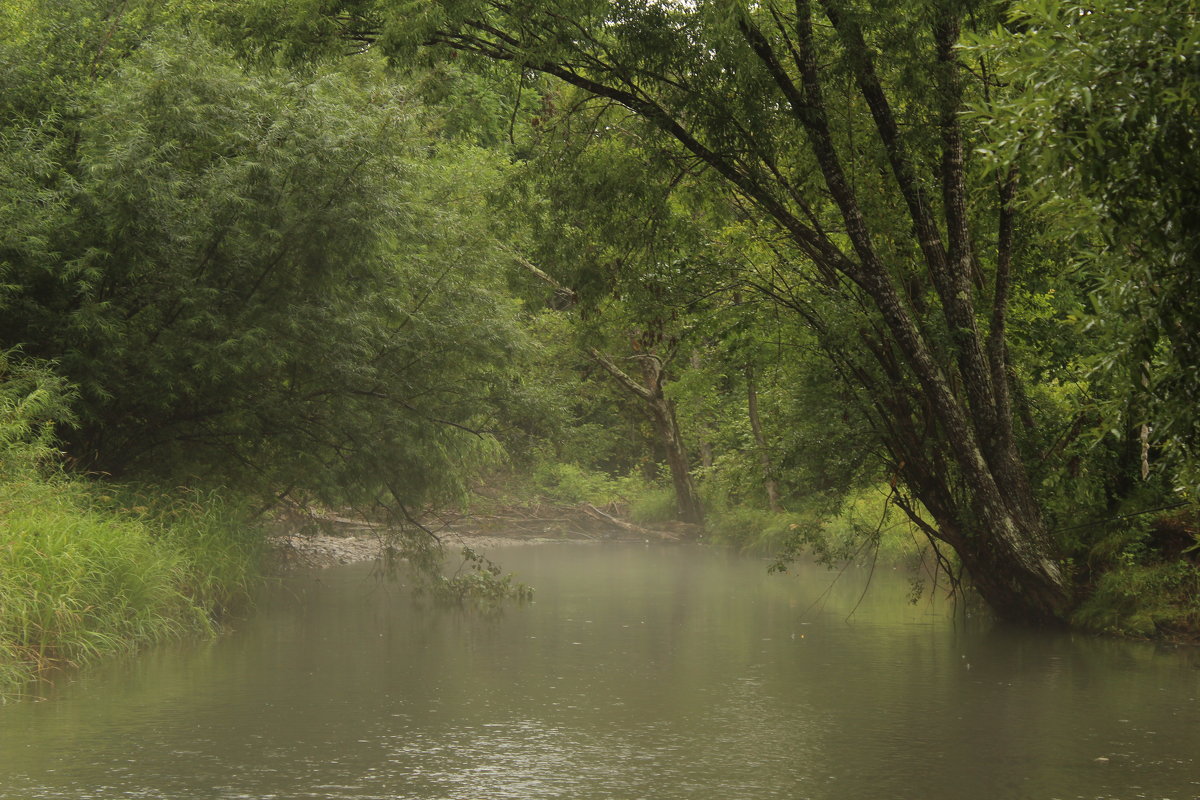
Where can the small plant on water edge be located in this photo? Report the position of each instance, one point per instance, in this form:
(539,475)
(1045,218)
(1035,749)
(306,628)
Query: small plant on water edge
(478,581)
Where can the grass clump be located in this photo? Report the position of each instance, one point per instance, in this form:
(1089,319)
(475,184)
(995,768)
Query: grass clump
(221,550)
(653,504)
(83,577)
(78,582)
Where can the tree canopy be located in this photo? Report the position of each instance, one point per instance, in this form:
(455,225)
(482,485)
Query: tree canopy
(781,251)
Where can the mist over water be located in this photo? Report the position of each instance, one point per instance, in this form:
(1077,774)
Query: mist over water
(638,672)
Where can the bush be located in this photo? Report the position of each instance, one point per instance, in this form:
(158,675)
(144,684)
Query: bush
(1144,600)
(653,504)
(866,522)
(750,530)
(571,483)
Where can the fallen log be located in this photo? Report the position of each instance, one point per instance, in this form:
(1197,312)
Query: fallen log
(596,513)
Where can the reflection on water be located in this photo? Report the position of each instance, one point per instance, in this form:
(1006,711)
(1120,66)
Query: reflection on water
(638,672)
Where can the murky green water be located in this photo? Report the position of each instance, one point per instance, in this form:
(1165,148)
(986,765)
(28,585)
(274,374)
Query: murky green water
(639,673)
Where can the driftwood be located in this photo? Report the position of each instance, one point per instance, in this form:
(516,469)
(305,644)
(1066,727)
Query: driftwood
(596,513)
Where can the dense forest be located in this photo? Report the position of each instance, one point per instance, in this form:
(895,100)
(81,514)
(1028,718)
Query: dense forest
(809,278)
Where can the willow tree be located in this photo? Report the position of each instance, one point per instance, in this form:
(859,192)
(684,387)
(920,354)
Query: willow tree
(276,282)
(839,123)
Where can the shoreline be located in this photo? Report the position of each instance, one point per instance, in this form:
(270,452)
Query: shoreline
(332,540)
(318,551)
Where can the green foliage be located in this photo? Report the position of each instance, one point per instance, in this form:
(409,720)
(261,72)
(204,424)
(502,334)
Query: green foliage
(83,574)
(1144,600)
(257,278)
(1103,117)
(660,264)
(261,264)
(33,400)
(216,534)
(750,530)
(81,577)
(570,483)
(868,523)
(653,504)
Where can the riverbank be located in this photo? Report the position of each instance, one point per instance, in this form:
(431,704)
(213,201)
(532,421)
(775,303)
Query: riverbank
(330,540)
(316,551)
(89,570)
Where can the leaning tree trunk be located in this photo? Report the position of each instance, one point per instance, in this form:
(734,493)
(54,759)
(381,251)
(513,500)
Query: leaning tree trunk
(662,414)
(917,286)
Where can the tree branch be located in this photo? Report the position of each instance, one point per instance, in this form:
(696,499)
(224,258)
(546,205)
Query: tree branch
(626,381)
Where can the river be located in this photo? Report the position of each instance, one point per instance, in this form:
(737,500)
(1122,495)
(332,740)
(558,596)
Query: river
(638,673)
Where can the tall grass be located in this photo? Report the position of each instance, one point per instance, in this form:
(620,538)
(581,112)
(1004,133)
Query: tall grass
(865,525)
(88,571)
(221,551)
(75,582)
(81,577)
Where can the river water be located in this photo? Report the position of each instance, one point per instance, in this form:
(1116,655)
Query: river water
(638,673)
